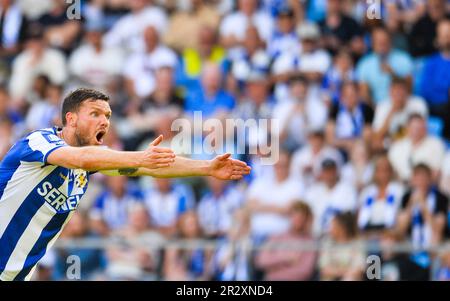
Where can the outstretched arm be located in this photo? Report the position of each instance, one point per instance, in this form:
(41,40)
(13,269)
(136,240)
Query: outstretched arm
(222,167)
(93,158)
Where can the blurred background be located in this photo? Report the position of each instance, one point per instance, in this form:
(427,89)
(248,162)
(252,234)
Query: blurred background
(362,93)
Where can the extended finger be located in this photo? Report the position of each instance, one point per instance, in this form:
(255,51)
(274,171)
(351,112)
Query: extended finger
(157,141)
(162,150)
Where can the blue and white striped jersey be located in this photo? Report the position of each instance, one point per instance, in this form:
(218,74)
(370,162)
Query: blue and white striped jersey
(36,201)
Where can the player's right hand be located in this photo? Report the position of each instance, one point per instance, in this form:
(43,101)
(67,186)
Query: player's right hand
(157,157)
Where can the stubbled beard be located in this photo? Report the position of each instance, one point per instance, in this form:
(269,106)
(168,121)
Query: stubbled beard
(80,140)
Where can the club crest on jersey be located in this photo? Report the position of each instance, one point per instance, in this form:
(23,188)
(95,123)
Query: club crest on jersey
(80,178)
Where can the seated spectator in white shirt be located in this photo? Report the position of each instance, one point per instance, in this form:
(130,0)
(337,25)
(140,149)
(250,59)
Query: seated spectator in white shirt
(109,212)
(217,206)
(391,116)
(358,171)
(140,67)
(36,59)
(166,202)
(306,162)
(350,120)
(92,63)
(128,31)
(233,26)
(299,113)
(416,147)
(269,200)
(379,202)
(445,175)
(329,196)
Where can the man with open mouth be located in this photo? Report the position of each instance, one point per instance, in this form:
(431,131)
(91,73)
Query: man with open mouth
(45,174)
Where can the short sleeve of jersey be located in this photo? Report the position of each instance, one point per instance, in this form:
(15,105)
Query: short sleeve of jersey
(40,145)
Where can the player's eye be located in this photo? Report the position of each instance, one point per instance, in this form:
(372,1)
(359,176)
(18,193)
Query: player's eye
(94,114)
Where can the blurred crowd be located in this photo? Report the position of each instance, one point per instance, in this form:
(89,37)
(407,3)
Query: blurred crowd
(361,90)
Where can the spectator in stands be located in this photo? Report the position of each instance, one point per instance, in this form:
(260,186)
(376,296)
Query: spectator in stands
(416,147)
(129,31)
(443,270)
(391,116)
(91,260)
(306,161)
(135,262)
(445,175)
(379,202)
(7,138)
(233,26)
(435,78)
(110,209)
(329,196)
(340,72)
(12,30)
(284,38)
(165,203)
(424,210)
(37,58)
(340,30)
(359,169)
(140,67)
(349,120)
(423,32)
(8,113)
(344,262)
(231,260)
(185,27)
(45,113)
(187,263)
(93,64)
(193,59)
(217,207)
(209,97)
(375,70)
(269,200)
(289,263)
(60,31)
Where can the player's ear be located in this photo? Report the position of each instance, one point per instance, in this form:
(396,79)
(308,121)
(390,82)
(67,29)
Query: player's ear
(71,119)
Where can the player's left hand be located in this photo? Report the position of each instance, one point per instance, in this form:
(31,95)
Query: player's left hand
(226,168)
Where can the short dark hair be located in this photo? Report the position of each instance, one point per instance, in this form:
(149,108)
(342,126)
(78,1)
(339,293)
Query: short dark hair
(73,101)
(422,167)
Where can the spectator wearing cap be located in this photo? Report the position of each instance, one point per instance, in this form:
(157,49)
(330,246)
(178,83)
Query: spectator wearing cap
(166,201)
(391,116)
(416,147)
(312,61)
(435,77)
(233,26)
(109,211)
(285,264)
(376,69)
(139,68)
(379,202)
(340,30)
(13,26)
(209,97)
(36,59)
(129,31)
(284,38)
(306,161)
(93,64)
(217,207)
(423,32)
(184,25)
(299,113)
(349,120)
(423,216)
(328,196)
(269,199)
